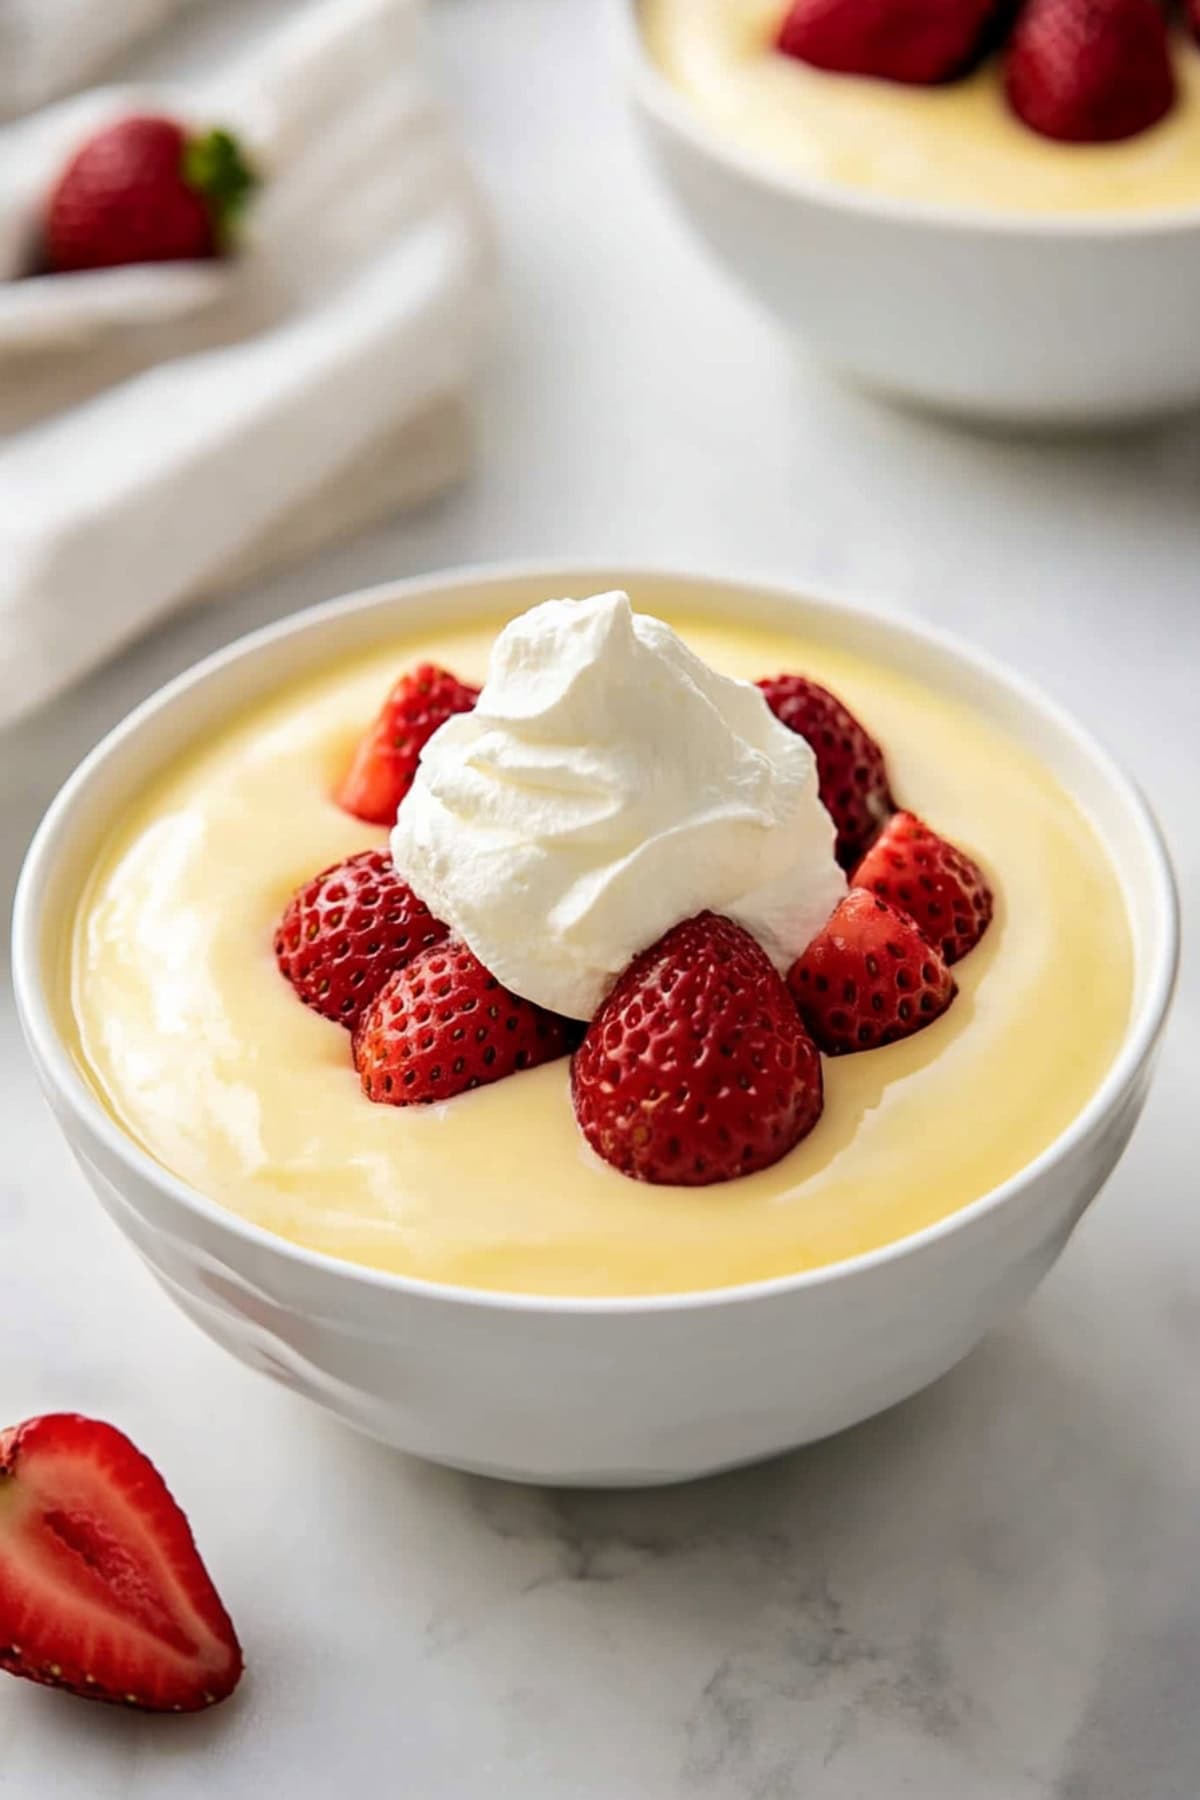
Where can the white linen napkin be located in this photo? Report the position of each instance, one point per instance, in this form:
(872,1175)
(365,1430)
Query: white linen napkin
(48,47)
(180,428)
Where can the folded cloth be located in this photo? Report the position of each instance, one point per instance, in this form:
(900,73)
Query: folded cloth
(317,379)
(48,47)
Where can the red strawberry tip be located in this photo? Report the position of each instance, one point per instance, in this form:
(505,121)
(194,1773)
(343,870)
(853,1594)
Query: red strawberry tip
(696,1069)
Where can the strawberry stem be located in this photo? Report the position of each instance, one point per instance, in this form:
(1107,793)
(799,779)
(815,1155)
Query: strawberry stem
(214,165)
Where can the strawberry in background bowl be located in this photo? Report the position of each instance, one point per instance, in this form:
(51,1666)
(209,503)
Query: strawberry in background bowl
(992,208)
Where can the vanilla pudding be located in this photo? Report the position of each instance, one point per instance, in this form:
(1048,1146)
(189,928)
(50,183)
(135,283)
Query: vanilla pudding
(953,145)
(200,1051)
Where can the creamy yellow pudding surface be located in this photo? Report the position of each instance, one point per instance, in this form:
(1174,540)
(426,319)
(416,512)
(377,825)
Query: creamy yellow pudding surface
(952,145)
(202,1052)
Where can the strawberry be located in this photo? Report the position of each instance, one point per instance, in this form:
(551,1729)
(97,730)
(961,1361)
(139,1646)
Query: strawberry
(868,977)
(1193,16)
(851,771)
(938,886)
(144,190)
(442,1025)
(1090,71)
(102,1591)
(697,1069)
(387,757)
(919,41)
(350,928)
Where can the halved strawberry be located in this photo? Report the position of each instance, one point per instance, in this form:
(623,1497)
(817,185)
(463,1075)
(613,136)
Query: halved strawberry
(937,885)
(852,774)
(386,759)
(697,1069)
(102,1590)
(919,41)
(442,1025)
(1090,71)
(868,978)
(348,930)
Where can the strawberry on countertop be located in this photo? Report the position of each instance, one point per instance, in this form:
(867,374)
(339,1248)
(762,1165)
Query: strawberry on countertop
(348,930)
(386,759)
(941,889)
(1090,71)
(144,190)
(697,1069)
(868,978)
(916,41)
(851,771)
(443,1024)
(102,1590)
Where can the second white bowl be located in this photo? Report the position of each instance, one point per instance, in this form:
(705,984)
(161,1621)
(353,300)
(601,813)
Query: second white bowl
(1043,320)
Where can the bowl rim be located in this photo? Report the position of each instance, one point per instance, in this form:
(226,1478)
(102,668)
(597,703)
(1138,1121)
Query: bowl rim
(60,1072)
(670,107)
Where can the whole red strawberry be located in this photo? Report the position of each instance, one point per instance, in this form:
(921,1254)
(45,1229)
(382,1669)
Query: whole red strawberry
(442,1025)
(1090,71)
(142,191)
(697,1069)
(387,756)
(936,884)
(918,41)
(348,930)
(851,772)
(102,1590)
(868,978)
(1193,13)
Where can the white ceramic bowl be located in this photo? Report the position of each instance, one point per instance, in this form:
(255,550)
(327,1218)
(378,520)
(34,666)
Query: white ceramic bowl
(590,1391)
(1017,319)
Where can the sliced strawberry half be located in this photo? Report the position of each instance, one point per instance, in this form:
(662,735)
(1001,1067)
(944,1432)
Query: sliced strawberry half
(697,1069)
(387,756)
(916,41)
(102,1590)
(851,771)
(941,889)
(1090,71)
(443,1024)
(868,978)
(348,930)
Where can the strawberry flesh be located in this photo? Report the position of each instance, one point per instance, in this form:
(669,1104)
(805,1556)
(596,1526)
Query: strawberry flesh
(102,1590)
(442,1024)
(386,759)
(941,889)
(1090,71)
(697,1069)
(868,978)
(851,772)
(347,931)
(921,42)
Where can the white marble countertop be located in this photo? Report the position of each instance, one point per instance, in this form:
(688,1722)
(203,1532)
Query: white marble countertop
(992,1593)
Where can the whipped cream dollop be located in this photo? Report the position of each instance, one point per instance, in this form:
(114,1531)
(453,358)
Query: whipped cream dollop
(609,784)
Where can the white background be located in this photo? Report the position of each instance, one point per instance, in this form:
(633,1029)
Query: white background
(992,1593)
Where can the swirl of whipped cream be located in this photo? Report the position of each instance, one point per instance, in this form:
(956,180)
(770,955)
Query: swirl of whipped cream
(609,784)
